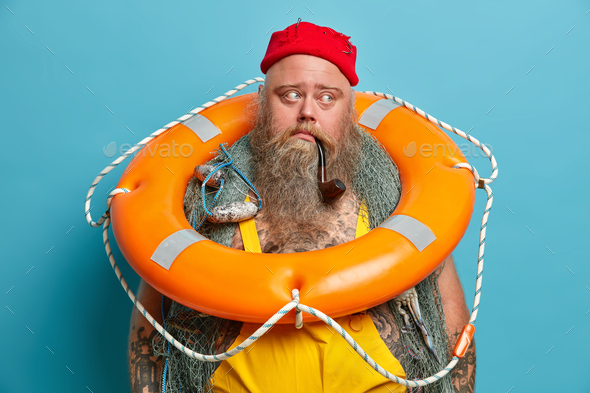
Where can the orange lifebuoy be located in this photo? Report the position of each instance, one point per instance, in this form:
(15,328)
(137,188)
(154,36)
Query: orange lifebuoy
(156,239)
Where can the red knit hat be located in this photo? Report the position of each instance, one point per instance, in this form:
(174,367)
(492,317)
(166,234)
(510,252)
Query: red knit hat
(309,39)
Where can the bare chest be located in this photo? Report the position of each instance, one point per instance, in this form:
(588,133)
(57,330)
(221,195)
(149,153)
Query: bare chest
(339,228)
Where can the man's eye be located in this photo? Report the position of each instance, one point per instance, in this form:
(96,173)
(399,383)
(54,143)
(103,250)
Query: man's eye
(293,95)
(326,98)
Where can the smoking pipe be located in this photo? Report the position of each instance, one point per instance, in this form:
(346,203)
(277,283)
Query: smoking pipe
(331,190)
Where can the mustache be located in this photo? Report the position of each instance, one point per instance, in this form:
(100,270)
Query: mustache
(327,140)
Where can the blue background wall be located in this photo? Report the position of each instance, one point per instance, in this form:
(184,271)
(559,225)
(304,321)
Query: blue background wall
(151,62)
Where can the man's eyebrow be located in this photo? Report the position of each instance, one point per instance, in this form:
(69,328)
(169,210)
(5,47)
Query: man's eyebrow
(281,86)
(326,87)
(318,86)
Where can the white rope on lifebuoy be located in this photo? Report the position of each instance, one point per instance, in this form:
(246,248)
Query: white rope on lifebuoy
(294,304)
(105,220)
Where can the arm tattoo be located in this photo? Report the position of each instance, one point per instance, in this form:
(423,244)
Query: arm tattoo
(144,367)
(464,372)
(388,331)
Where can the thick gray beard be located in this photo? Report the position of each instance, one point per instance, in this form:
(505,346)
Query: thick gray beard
(286,169)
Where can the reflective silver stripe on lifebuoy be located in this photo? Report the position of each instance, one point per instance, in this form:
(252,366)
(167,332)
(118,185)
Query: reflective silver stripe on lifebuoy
(376,112)
(173,245)
(203,127)
(413,230)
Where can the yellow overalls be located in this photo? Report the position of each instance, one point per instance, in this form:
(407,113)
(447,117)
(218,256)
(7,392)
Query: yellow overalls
(308,360)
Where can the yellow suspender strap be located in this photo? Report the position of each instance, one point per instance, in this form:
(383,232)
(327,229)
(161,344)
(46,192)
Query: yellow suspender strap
(362,221)
(249,234)
(252,242)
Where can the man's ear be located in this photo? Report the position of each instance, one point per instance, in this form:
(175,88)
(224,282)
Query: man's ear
(260,88)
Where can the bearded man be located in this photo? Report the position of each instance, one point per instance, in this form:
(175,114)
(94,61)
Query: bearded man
(307,96)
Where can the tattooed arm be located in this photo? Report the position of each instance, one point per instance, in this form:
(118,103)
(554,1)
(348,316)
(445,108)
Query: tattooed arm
(457,316)
(145,369)
(464,372)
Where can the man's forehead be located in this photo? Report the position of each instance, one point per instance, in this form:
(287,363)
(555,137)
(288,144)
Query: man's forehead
(305,71)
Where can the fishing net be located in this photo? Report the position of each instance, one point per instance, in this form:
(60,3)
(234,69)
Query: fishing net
(196,331)
(377,182)
(417,361)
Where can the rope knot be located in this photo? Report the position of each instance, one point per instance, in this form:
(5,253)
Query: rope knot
(298,313)
(295,294)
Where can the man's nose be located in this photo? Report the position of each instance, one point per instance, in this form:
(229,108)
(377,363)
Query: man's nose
(308,111)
